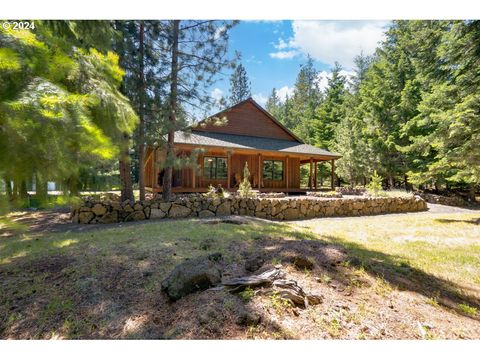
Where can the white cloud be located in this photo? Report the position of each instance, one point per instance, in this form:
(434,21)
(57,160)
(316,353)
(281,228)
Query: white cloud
(282,44)
(284,91)
(284,54)
(260,98)
(217,94)
(324,76)
(330,41)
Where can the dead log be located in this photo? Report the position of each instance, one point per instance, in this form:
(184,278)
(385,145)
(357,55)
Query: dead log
(276,283)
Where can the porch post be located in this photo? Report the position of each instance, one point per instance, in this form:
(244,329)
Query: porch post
(286,171)
(259,171)
(315,176)
(154,182)
(310,178)
(229,168)
(333,171)
(194,176)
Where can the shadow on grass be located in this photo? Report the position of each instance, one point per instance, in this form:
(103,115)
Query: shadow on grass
(453,221)
(83,291)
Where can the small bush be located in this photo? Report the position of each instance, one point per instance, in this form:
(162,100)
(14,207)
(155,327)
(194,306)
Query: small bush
(247,294)
(469,310)
(245,188)
(375,185)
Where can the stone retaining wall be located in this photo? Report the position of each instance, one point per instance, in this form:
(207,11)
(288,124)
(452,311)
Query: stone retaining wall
(292,208)
(453,200)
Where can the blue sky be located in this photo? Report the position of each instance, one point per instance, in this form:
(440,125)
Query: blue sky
(272,51)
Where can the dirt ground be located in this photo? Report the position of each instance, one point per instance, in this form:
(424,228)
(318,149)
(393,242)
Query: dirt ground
(87,293)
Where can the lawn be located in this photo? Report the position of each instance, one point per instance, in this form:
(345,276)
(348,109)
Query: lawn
(394,276)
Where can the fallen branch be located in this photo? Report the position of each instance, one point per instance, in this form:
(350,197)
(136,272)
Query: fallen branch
(275,279)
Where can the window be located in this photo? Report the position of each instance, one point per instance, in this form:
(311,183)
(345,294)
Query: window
(215,168)
(272,170)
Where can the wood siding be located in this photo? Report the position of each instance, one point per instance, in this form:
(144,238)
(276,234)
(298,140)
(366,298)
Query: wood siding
(247,119)
(184,178)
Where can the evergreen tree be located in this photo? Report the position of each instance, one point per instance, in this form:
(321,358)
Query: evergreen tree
(274,105)
(60,107)
(196,52)
(331,110)
(239,85)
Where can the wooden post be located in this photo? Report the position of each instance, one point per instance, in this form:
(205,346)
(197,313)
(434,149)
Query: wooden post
(311,170)
(315,176)
(286,172)
(229,168)
(194,175)
(333,171)
(154,180)
(259,171)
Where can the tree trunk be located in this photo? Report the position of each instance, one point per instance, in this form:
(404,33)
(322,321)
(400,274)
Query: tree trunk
(125,174)
(471,193)
(391,182)
(141,113)
(408,186)
(41,189)
(167,179)
(8,188)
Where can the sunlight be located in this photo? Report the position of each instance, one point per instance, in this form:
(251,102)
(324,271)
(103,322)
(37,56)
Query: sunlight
(65,243)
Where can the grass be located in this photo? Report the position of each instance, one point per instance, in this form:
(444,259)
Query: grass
(438,246)
(444,245)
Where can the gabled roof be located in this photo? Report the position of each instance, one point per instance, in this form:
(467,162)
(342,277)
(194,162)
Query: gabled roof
(214,139)
(259,108)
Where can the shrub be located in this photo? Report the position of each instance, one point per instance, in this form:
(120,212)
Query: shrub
(245,188)
(466,309)
(375,185)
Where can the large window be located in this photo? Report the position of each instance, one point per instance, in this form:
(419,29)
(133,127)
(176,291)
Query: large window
(272,170)
(215,168)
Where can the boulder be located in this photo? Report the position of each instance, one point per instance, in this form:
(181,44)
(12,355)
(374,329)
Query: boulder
(193,275)
(85,217)
(109,218)
(179,211)
(165,206)
(224,209)
(157,214)
(206,214)
(291,214)
(99,209)
(254,262)
(135,216)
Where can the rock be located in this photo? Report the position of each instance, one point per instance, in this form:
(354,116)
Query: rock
(224,209)
(109,218)
(85,217)
(254,262)
(302,262)
(179,211)
(193,275)
(157,214)
(165,206)
(135,216)
(206,214)
(128,208)
(137,207)
(248,318)
(290,214)
(147,211)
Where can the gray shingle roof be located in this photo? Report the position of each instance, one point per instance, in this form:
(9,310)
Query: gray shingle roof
(202,138)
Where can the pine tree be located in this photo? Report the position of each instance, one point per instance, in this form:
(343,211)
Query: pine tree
(60,107)
(196,53)
(239,85)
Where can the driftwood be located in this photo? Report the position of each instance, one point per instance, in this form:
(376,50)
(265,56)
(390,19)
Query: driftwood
(276,283)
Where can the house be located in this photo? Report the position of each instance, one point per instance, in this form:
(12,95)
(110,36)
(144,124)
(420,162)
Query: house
(251,135)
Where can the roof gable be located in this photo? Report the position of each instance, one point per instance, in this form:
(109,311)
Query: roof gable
(250,119)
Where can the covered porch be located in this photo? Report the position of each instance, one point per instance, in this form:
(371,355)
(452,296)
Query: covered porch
(270,171)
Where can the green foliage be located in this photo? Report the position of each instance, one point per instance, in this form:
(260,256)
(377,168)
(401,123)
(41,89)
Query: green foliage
(60,107)
(375,184)
(240,88)
(247,294)
(245,188)
(467,309)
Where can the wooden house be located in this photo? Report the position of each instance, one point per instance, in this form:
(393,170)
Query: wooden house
(251,135)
